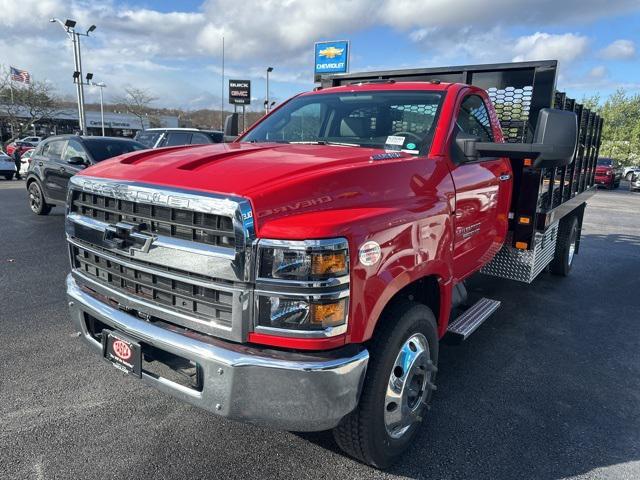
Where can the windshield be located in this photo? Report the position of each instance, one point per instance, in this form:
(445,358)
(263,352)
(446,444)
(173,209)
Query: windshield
(147,138)
(393,120)
(103,149)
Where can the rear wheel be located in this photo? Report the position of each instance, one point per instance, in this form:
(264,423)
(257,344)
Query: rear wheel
(397,387)
(565,247)
(36,200)
(8,176)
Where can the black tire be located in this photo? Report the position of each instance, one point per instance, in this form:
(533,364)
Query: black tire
(565,247)
(8,176)
(36,200)
(628,176)
(363,433)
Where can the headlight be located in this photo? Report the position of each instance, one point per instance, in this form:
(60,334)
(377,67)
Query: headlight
(304,261)
(304,314)
(302,287)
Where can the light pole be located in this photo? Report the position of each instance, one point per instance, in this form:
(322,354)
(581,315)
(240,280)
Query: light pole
(100,85)
(266,108)
(69,27)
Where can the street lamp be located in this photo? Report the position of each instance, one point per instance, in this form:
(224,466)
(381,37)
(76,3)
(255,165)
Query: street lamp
(100,85)
(267,106)
(69,27)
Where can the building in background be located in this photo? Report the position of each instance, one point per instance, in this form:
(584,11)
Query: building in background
(66,121)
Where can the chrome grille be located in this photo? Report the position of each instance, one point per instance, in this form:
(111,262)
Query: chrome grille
(200,227)
(202,302)
(180,256)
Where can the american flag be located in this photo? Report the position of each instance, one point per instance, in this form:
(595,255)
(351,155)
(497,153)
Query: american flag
(18,75)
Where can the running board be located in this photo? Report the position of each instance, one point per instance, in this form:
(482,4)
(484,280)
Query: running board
(471,319)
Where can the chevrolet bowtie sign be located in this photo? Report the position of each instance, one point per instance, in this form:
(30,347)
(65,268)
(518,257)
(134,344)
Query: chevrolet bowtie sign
(331,57)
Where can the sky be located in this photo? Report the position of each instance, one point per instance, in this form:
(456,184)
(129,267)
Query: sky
(173,49)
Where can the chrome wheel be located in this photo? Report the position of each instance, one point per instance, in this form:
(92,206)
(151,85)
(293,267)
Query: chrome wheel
(35,198)
(409,385)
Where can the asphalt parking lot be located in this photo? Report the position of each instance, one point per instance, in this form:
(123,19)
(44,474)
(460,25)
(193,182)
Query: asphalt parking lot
(549,388)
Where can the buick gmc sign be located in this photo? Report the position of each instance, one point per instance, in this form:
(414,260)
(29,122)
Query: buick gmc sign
(331,57)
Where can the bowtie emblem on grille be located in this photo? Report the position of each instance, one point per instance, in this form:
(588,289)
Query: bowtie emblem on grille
(127,236)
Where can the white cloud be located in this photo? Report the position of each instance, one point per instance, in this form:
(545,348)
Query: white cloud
(619,50)
(598,73)
(546,46)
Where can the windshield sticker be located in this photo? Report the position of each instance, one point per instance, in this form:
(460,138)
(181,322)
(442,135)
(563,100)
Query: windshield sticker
(395,140)
(411,146)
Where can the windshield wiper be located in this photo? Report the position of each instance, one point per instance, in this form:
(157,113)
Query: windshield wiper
(324,142)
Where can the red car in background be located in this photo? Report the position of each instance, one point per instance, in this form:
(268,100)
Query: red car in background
(608,173)
(22,146)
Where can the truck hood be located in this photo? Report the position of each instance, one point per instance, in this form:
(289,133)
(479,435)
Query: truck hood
(280,180)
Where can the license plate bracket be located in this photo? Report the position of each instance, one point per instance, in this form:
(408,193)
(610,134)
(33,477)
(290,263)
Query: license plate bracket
(123,352)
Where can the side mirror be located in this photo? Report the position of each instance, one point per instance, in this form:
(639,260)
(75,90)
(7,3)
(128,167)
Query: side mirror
(231,125)
(554,142)
(76,161)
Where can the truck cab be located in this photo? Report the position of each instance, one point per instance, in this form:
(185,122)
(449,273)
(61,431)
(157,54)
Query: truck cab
(303,276)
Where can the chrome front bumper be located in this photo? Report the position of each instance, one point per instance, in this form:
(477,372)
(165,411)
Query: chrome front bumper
(283,390)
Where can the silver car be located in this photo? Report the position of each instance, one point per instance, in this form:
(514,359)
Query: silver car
(7,166)
(634,181)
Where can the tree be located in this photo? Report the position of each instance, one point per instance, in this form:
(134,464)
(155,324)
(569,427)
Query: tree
(621,129)
(26,104)
(136,101)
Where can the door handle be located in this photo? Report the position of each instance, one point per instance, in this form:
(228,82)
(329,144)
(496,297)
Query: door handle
(62,169)
(504,177)
(40,164)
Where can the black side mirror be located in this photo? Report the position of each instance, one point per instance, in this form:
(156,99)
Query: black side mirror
(77,161)
(231,128)
(554,142)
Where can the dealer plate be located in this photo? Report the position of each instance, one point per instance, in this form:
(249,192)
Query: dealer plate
(124,353)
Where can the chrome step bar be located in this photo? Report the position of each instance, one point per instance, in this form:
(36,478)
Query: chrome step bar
(471,319)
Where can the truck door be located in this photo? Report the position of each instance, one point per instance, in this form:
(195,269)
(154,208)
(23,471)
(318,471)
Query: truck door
(483,193)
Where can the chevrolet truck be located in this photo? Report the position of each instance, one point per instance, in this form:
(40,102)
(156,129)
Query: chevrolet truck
(302,276)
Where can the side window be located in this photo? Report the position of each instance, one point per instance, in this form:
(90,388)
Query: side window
(178,138)
(199,138)
(474,118)
(54,149)
(74,149)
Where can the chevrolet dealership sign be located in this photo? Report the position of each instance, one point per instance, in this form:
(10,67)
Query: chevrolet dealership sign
(331,57)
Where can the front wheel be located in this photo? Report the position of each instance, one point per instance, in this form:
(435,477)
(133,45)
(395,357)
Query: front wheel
(398,386)
(36,200)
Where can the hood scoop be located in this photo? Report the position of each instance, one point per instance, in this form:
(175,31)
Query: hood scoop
(231,152)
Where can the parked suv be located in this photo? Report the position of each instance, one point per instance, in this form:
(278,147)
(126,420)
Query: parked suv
(57,159)
(171,137)
(608,173)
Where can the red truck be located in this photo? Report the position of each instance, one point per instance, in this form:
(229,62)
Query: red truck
(303,276)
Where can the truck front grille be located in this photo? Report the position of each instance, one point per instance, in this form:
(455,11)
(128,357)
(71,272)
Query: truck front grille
(200,227)
(182,296)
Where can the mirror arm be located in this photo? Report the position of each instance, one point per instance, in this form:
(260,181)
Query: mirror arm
(515,151)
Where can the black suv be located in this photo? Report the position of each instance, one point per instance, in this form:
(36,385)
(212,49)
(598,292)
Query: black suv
(57,159)
(173,137)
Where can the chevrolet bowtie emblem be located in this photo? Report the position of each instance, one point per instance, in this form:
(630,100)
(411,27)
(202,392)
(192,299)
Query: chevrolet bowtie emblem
(127,236)
(331,52)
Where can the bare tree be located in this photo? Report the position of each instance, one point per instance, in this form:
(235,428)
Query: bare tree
(25,104)
(136,101)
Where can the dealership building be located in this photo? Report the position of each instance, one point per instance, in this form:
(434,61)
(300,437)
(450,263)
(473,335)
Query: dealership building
(66,121)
